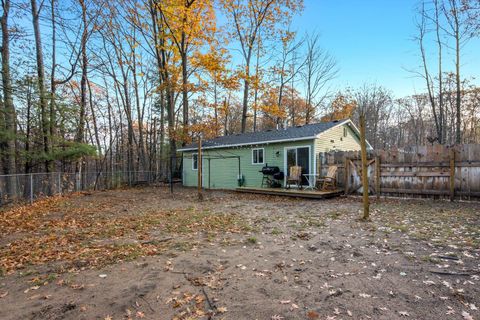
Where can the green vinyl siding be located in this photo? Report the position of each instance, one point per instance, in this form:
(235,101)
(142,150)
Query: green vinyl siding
(221,171)
(224,167)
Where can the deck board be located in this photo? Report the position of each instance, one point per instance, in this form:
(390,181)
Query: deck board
(312,194)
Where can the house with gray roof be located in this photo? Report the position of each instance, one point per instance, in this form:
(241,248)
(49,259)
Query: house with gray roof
(237,160)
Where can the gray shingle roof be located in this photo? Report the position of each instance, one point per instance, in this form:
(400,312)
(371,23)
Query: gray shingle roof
(307,131)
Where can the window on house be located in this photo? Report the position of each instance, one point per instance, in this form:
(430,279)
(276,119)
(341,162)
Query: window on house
(345,131)
(195,161)
(258,156)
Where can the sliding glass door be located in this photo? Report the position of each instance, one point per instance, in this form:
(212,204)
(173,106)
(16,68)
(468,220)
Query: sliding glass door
(298,156)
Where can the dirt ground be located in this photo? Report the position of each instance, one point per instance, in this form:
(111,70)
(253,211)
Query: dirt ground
(145,254)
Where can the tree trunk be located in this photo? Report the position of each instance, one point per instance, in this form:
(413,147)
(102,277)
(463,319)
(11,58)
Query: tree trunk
(441,121)
(41,85)
(9,117)
(83,82)
(184,92)
(141,137)
(458,107)
(53,85)
(245,102)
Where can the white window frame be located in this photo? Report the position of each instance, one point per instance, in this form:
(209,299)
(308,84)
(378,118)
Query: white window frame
(193,162)
(263,156)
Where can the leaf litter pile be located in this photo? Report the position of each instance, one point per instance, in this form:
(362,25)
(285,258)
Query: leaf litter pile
(143,253)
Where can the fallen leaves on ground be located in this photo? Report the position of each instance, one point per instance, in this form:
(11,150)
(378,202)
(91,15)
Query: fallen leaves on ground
(97,234)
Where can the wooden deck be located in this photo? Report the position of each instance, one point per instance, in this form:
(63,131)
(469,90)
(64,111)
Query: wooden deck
(312,194)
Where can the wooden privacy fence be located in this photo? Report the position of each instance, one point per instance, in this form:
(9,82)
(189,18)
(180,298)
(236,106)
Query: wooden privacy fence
(436,171)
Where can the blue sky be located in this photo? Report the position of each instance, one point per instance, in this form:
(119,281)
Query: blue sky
(371,40)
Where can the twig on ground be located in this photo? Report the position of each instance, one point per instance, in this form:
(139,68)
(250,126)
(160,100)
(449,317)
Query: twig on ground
(447,273)
(148,303)
(211,305)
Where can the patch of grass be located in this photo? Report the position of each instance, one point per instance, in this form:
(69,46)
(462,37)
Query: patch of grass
(310,221)
(182,246)
(26,273)
(252,240)
(276,231)
(51,277)
(399,227)
(429,259)
(334,215)
(226,242)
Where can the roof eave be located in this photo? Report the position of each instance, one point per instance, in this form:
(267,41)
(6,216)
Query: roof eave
(248,143)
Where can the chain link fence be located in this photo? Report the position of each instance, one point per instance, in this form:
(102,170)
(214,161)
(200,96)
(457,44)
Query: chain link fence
(32,186)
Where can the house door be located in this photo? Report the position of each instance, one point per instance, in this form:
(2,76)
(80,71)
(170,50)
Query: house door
(298,156)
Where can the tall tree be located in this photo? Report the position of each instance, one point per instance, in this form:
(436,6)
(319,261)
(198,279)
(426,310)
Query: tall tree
(35,11)
(320,68)
(459,28)
(248,18)
(189,23)
(422,29)
(7,112)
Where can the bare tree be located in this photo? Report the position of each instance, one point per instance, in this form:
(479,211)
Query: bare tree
(422,29)
(460,28)
(319,69)
(376,103)
(288,65)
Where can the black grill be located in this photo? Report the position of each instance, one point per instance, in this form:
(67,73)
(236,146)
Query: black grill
(271,176)
(278,176)
(269,170)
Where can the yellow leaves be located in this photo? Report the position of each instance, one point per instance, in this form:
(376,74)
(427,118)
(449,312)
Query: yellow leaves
(273,110)
(287,36)
(196,23)
(222,309)
(342,108)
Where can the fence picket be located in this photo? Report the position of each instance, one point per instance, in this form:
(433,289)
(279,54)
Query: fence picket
(420,171)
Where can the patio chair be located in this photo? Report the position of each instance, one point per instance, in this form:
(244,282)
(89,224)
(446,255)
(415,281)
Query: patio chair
(329,181)
(295,177)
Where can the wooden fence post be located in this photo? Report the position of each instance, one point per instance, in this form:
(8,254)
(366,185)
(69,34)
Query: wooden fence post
(363,144)
(452,174)
(346,173)
(199,167)
(377,176)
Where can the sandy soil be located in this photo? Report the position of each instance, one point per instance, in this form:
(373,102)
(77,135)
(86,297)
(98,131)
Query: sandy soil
(238,256)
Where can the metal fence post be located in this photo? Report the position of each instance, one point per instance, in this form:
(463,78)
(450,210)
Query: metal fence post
(59,183)
(77,181)
(31,188)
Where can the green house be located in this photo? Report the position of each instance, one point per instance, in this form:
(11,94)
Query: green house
(236,160)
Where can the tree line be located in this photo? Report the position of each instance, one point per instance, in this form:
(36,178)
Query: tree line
(96,85)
